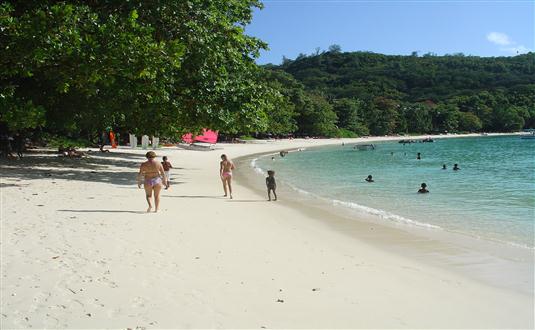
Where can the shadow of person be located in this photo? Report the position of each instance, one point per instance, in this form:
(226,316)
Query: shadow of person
(193,196)
(103,211)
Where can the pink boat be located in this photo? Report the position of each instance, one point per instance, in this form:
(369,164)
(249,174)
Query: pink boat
(207,136)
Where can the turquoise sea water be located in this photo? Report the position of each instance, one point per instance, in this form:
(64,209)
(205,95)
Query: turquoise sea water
(492,196)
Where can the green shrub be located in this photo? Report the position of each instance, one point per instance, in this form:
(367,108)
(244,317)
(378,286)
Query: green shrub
(53,141)
(345,133)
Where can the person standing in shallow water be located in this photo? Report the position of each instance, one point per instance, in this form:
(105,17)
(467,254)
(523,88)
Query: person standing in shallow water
(225,172)
(419,156)
(152,173)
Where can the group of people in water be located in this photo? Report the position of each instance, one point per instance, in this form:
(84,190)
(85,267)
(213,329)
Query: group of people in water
(423,186)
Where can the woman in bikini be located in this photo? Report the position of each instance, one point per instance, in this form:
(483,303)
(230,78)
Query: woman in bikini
(152,173)
(225,171)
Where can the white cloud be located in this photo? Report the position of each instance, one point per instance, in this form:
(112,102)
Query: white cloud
(520,49)
(499,38)
(503,40)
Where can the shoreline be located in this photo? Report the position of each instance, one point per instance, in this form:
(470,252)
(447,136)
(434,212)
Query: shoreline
(436,246)
(79,251)
(250,160)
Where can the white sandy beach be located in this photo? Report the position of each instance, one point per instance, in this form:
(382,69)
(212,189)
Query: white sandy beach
(78,251)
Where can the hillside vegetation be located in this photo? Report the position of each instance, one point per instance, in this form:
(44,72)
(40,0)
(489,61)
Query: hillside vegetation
(365,92)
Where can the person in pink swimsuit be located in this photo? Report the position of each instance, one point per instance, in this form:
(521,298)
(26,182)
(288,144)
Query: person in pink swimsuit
(225,172)
(152,173)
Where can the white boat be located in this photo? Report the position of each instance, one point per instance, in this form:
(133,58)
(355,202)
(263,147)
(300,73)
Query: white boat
(364,147)
(529,136)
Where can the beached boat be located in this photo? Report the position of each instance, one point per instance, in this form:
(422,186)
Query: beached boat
(529,134)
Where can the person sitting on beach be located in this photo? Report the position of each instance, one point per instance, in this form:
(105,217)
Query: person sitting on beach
(443,166)
(271,185)
(369,178)
(456,167)
(19,144)
(152,172)
(167,170)
(73,153)
(225,171)
(70,152)
(5,145)
(423,189)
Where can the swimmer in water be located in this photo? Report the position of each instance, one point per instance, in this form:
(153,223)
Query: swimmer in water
(369,178)
(423,189)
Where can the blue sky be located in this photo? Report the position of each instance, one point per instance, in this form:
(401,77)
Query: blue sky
(472,27)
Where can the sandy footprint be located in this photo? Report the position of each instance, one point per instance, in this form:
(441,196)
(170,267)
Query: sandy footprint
(39,301)
(108,282)
(139,302)
(112,313)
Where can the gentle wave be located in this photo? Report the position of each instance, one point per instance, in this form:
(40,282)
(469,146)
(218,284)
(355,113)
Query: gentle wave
(384,214)
(394,217)
(381,214)
(256,168)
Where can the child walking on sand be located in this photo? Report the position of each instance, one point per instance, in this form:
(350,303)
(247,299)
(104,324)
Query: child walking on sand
(167,171)
(271,184)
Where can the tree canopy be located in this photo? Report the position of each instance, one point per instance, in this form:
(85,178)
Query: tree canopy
(156,67)
(164,67)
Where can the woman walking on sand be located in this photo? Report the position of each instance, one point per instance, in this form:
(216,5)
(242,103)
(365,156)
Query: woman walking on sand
(152,173)
(225,172)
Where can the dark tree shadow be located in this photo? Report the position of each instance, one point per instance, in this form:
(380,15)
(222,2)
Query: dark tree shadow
(11,185)
(113,167)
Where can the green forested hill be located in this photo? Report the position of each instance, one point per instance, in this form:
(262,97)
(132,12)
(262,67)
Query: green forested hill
(411,78)
(391,94)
